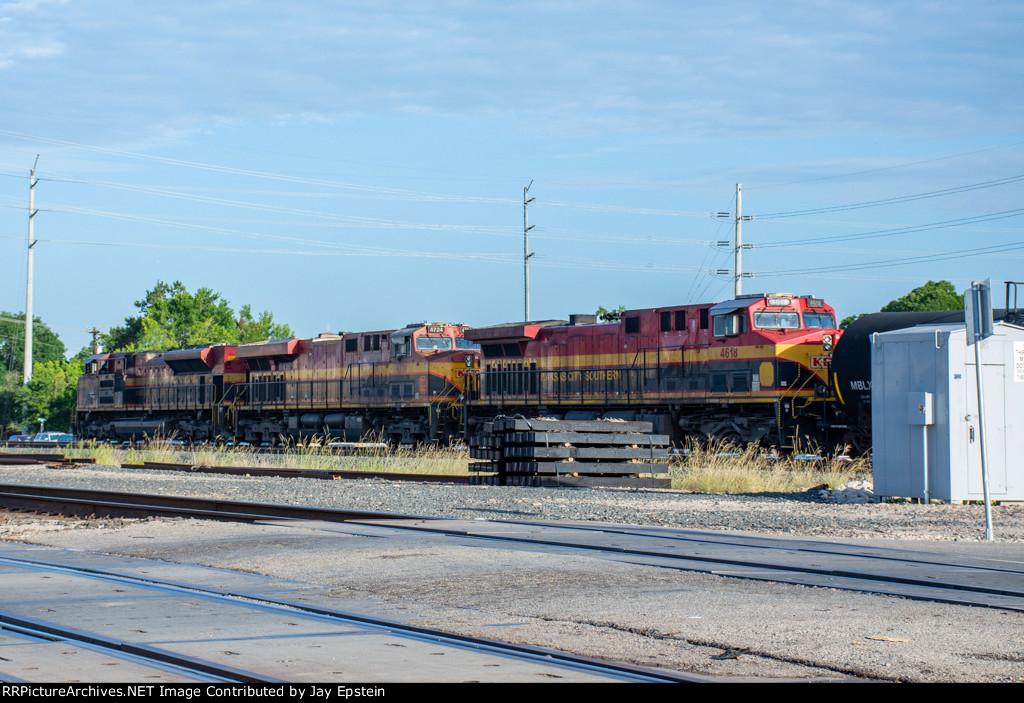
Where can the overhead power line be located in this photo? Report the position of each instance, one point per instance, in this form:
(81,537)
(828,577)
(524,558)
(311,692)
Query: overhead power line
(887,263)
(895,200)
(895,231)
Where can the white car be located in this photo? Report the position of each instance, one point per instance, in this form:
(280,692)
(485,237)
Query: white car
(61,437)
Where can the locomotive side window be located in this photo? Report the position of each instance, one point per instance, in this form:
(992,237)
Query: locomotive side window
(352,345)
(666,322)
(819,320)
(729,325)
(681,320)
(704,318)
(632,325)
(765,320)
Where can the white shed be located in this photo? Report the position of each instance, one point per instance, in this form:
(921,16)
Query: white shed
(925,421)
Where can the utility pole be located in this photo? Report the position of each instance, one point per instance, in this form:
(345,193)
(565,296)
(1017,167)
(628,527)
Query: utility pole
(738,244)
(95,339)
(32,181)
(526,251)
(738,268)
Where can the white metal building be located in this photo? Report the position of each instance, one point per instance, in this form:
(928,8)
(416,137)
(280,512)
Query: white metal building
(925,421)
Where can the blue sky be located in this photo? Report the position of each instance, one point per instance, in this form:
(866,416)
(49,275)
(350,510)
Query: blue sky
(361,165)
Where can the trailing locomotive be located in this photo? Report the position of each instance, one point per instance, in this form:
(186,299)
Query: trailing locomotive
(401,385)
(750,369)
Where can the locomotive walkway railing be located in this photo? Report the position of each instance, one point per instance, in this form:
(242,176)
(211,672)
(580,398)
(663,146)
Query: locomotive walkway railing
(619,385)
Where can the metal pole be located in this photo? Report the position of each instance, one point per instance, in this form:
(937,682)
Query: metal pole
(978,339)
(27,372)
(526,252)
(738,290)
(924,460)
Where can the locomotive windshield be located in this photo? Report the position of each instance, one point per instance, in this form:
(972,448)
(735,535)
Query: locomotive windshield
(463,343)
(434,343)
(776,320)
(819,320)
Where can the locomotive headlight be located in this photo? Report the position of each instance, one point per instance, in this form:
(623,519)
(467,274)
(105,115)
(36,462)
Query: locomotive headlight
(826,342)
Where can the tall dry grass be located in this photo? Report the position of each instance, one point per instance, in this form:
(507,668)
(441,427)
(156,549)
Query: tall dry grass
(716,467)
(307,455)
(725,467)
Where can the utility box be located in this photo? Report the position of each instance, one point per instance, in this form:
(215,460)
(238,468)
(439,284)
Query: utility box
(926,436)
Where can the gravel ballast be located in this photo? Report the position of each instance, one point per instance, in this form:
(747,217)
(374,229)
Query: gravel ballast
(793,514)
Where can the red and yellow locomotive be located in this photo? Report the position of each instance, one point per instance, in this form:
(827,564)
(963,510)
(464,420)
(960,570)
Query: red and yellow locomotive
(750,369)
(402,385)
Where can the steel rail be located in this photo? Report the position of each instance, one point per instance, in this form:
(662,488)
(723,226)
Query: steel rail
(928,588)
(119,504)
(326,474)
(40,629)
(18,458)
(772,559)
(625,670)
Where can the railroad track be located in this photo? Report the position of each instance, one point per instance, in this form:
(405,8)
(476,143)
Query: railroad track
(133,619)
(917,575)
(18,458)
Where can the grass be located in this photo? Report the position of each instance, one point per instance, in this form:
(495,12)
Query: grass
(716,467)
(307,455)
(724,467)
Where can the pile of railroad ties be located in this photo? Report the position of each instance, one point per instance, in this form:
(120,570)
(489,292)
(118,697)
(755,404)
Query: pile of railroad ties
(516,451)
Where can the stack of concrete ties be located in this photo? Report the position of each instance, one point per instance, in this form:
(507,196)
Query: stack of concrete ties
(543,452)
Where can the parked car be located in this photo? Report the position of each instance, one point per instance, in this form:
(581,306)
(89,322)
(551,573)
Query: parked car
(61,437)
(15,438)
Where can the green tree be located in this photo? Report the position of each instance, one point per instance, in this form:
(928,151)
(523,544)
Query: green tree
(52,391)
(849,320)
(169,316)
(11,394)
(47,348)
(46,345)
(606,315)
(252,329)
(933,295)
